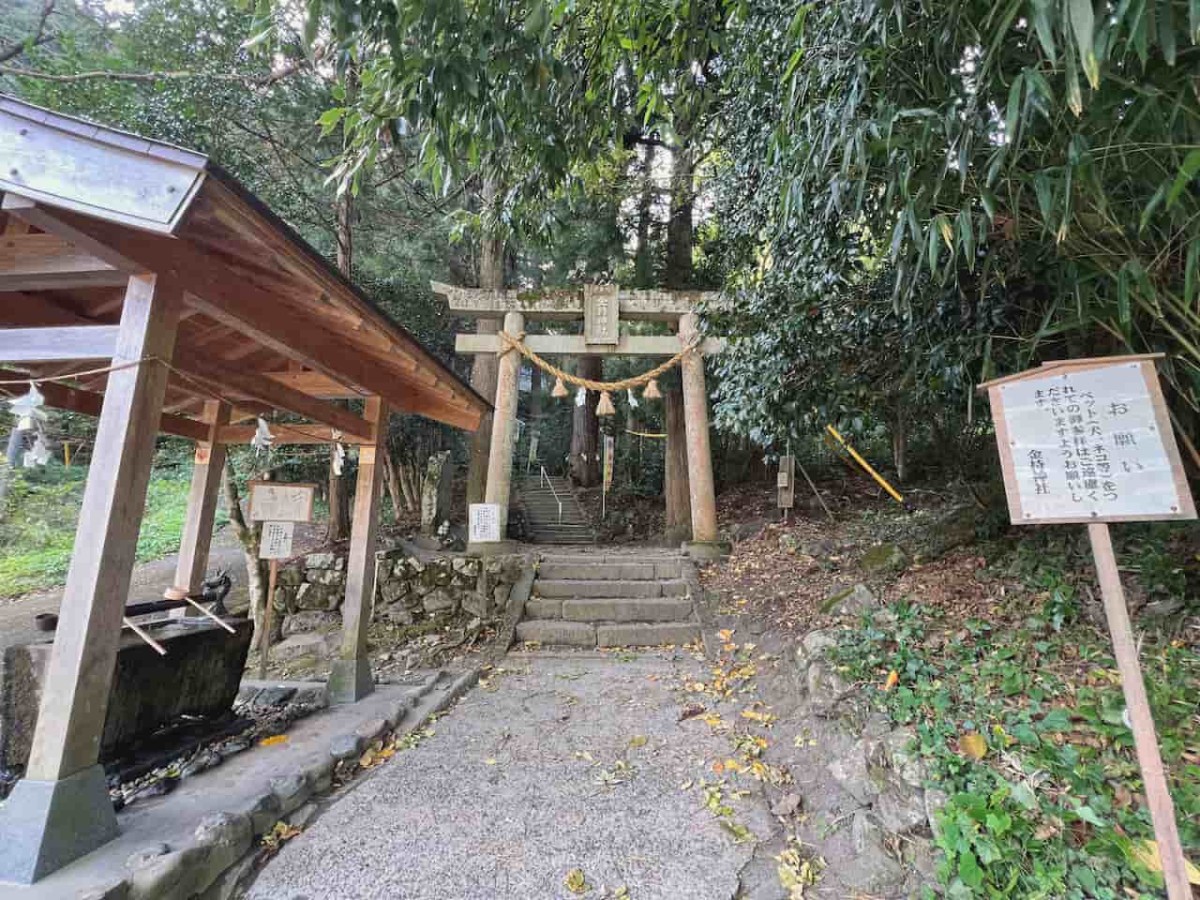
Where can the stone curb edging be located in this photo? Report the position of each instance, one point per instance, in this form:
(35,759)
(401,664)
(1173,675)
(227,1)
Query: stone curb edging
(225,851)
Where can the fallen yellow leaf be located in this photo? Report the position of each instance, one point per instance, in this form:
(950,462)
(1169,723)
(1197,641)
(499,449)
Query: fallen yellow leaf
(893,679)
(973,745)
(273,740)
(638,740)
(576,882)
(1147,854)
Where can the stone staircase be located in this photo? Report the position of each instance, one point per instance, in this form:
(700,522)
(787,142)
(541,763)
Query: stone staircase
(609,601)
(543,525)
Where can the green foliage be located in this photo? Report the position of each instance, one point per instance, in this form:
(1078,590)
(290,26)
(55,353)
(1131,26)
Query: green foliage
(1026,164)
(1050,811)
(42,511)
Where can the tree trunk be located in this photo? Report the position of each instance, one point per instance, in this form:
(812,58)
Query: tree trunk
(248,536)
(338,528)
(900,446)
(485,368)
(644,260)
(676,488)
(392,480)
(585,428)
(678,276)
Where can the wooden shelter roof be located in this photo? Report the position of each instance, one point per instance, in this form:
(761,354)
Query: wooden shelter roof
(268,323)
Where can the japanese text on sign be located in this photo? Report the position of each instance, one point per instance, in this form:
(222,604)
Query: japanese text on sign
(276,542)
(1087,444)
(272,501)
(485,523)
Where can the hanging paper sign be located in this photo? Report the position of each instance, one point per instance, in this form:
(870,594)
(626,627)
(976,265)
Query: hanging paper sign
(276,542)
(485,523)
(525,379)
(1088,442)
(275,501)
(610,445)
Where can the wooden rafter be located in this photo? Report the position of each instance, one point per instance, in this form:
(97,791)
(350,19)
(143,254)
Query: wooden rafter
(38,262)
(63,342)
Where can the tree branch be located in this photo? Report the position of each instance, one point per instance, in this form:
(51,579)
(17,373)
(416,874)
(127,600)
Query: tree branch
(266,80)
(39,35)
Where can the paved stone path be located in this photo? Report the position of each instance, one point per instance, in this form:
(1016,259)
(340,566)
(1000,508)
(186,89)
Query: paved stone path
(522,783)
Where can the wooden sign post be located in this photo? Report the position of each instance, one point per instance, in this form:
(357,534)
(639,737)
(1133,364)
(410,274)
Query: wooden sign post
(1090,441)
(278,506)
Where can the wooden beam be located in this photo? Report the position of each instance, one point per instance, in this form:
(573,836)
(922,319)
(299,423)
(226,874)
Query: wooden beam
(21,310)
(196,539)
(276,321)
(80,671)
(350,678)
(63,342)
(39,262)
(89,403)
(285,434)
(255,386)
(574,345)
(567,303)
(316,383)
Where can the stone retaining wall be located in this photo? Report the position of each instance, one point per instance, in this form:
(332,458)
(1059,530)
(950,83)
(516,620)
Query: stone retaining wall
(411,587)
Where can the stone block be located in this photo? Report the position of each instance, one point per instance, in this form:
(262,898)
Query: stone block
(393,589)
(477,604)
(500,595)
(346,746)
(645,634)
(399,614)
(371,729)
(884,559)
(172,876)
(264,812)
(576,589)
(544,608)
(284,599)
(320,561)
(291,576)
(319,596)
(438,600)
(292,791)
(300,645)
(328,577)
(228,837)
(308,620)
(850,601)
(649,609)
(557,632)
(47,824)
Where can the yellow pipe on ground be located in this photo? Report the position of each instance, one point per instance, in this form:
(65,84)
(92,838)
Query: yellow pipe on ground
(866,465)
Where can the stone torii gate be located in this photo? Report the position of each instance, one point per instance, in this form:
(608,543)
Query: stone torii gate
(602,308)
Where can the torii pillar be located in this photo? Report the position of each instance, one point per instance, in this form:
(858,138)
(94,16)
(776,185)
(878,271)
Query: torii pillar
(704,543)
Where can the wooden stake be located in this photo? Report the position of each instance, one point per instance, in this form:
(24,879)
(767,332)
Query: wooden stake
(1162,811)
(140,632)
(264,650)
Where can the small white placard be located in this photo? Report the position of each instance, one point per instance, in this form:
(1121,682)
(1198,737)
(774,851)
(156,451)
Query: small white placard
(1088,444)
(273,501)
(276,540)
(485,523)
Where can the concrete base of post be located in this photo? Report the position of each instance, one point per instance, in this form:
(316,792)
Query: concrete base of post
(48,824)
(491,548)
(707,550)
(349,680)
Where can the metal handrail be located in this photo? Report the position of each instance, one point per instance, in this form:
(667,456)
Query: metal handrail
(545,481)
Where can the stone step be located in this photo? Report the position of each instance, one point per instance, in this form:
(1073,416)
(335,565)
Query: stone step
(556,632)
(536,537)
(646,634)
(646,609)
(616,589)
(609,571)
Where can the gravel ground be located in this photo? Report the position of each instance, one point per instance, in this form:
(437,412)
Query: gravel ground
(558,763)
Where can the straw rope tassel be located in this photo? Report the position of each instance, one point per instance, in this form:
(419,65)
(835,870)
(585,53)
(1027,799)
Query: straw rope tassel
(651,392)
(560,389)
(605,406)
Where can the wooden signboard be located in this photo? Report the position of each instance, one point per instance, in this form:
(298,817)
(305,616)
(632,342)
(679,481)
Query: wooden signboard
(277,501)
(601,314)
(485,523)
(786,481)
(276,542)
(1090,441)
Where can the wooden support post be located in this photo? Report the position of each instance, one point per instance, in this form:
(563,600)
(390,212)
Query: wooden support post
(350,678)
(264,640)
(504,424)
(202,502)
(1145,741)
(61,809)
